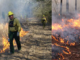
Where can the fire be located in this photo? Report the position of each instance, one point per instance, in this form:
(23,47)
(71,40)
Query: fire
(75,23)
(65,51)
(54,38)
(71,20)
(61,56)
(66,32)
(6,44)
(56,27)
(59,14)
(22,33)
(72,44)
(65,47)
(61,40)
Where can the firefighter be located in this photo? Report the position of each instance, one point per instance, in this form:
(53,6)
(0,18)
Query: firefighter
(14,29)
(44,21)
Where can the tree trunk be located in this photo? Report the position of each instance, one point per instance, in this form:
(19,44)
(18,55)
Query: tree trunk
(61,8)
(75,5)
(67,6)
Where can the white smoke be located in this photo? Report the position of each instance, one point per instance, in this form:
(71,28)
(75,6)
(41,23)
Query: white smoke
(72,33)
(20,8)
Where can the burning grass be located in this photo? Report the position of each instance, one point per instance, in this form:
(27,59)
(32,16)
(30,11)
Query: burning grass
(66,32)
(6,44)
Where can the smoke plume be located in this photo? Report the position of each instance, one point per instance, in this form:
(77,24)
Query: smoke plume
(20,8)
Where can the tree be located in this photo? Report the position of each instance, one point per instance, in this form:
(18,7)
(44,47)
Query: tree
(61,7)
(75,5)
(67,6)
(43,8)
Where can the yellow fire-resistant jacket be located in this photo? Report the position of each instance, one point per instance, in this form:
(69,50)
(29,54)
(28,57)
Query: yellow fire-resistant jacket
(16,26)
(44,19)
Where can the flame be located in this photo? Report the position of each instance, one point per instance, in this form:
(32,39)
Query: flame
(65,47)
(6,44)
(59,14)
(66,51)
(61,56)
(54,38)
(74,22)
(22,33)
(71,20)
(61,40)
(72,44)
(69,23)
(56,27)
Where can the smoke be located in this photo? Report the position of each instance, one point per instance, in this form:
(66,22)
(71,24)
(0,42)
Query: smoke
(20,8)
(61,27)
(70,3)
(68,32)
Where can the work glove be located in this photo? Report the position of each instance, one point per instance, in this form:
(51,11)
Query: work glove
(17,33)
(8,40)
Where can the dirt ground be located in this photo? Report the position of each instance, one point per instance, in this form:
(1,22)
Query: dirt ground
(36,44)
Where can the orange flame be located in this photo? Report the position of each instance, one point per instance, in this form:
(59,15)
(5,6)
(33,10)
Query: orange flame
(56,27)
(72,44)
(67,51)
(61,40)
(22,33)
(66,48)
(6,44)
(61,56)
(59,14)
(73,23)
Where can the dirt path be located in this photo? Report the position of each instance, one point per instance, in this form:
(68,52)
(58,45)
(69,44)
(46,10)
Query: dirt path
(36,45)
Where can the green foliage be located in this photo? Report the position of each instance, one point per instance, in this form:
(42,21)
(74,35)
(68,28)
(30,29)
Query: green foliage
(43,8)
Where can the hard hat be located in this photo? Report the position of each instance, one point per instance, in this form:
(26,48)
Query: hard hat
(10,13)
